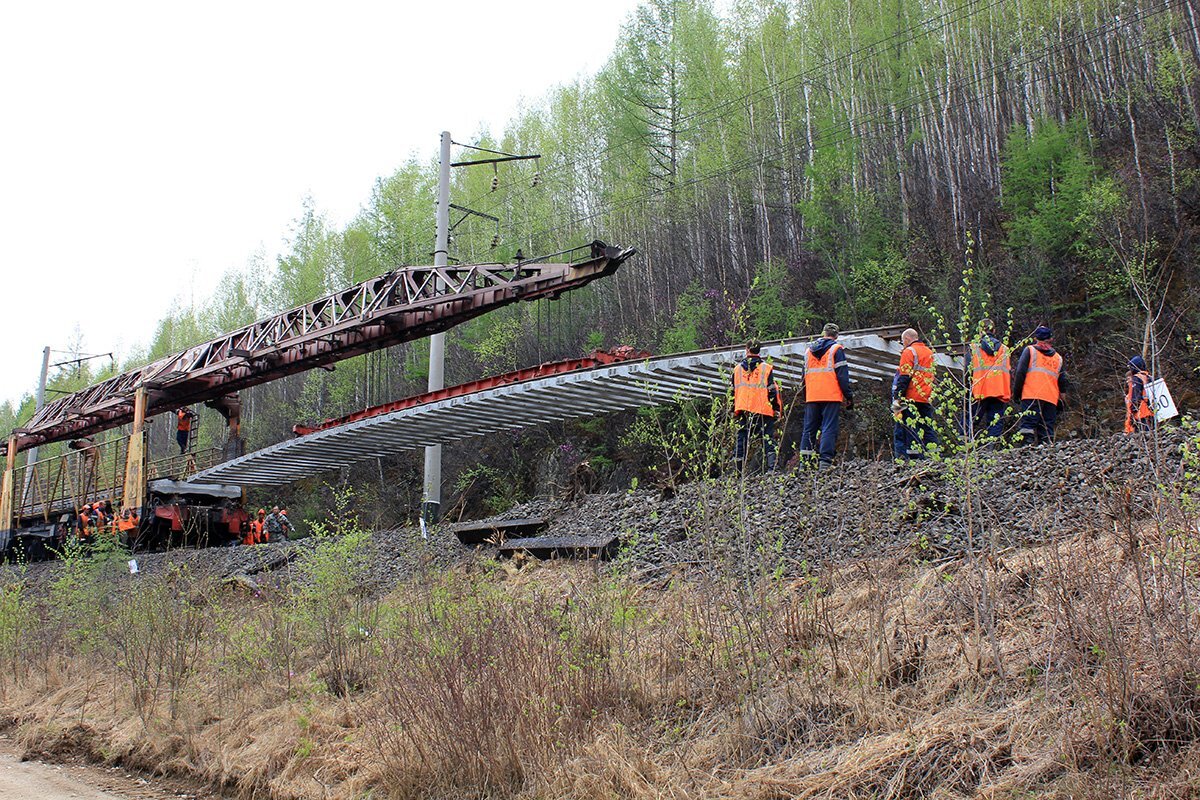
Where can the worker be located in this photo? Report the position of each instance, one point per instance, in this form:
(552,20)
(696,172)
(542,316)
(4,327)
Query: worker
(912,393)
(286,523)
(257,529)
(99,519)
(128,521)
(272,526)
(84,518)
(1039,381)
(1138,414)
(183,428)
(826,389)
(250,534)
(991,381)
(755,404)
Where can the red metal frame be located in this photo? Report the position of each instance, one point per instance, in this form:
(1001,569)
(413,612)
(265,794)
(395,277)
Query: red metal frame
(400,306)
(597,359)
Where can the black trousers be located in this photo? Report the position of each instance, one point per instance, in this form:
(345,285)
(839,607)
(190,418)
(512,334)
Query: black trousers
(760,426)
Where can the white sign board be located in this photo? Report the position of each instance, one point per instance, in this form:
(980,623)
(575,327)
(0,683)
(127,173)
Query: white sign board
(1159,398)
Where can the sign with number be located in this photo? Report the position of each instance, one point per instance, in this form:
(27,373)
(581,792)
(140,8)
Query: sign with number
(1159,398)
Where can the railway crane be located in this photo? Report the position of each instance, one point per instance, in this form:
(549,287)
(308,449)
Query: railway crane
(40,501)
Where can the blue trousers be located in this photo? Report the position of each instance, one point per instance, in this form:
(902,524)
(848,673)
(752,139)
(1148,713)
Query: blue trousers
(1038,418)
(989,416)
(913,432)
(761,426)
(822,420)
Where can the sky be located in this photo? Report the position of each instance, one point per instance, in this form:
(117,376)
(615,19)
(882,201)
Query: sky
(148,147)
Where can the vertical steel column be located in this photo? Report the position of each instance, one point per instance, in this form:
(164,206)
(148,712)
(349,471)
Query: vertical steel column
(431,506)
(134,494)
(6,491)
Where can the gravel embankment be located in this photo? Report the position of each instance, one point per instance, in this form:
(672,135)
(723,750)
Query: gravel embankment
(863,508)
(853,510)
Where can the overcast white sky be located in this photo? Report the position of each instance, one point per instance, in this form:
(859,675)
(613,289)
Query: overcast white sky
(147,147)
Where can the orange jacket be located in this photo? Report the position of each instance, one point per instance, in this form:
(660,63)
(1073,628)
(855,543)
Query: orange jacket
(990,375)
(1041,380)
(185,421)
(1143,410)
(820,377)
(752,390)
(917,362)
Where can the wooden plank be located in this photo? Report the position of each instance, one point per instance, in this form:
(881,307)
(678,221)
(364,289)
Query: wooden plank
(497,530)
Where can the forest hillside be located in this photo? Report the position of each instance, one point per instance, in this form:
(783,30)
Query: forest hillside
(779,165)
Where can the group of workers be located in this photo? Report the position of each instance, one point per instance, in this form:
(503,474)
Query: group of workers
(264,527)
(99,518)
(1037,382)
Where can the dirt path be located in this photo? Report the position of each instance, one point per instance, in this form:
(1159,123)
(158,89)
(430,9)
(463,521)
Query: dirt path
(34,780)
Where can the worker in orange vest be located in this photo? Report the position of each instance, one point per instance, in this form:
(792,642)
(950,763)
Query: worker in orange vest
(127,522)
(183,428)
(826,390)
(257,529)
(85,523)
(991,381)
(1039,381)
(755,404)
(1138,414)
(99,519)
(912,395)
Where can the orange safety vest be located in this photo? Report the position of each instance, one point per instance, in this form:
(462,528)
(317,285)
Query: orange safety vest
(820,377)
(1041,381)
(185,421)
(126,523)
(917,361)
(750,391)
(990,375)
(1143,410)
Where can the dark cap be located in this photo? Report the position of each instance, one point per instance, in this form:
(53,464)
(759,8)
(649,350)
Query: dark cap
(1042,333)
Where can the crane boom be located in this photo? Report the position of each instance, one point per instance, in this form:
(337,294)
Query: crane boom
(399,306)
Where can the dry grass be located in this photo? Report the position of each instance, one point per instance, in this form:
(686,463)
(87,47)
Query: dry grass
(559,681)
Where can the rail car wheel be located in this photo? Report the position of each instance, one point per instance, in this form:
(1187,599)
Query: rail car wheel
(29,549)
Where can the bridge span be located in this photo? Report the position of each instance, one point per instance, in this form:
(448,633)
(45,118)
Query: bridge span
(584,390)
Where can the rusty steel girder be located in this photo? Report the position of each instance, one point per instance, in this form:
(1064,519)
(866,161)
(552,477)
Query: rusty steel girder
(398,306)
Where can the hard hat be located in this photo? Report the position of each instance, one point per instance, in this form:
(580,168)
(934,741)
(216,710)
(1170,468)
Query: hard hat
(262,511)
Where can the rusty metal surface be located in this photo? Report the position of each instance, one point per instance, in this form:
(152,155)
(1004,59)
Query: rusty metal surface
(65,483)
(399,306)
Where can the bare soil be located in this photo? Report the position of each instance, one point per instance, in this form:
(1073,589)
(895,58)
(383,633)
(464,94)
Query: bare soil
(37,780)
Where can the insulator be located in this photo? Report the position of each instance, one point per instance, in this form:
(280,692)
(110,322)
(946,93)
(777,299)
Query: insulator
(496,241)
(537,178)
(495,182)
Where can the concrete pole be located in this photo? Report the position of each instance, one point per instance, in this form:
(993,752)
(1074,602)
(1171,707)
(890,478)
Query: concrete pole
(431,507)
(41,401)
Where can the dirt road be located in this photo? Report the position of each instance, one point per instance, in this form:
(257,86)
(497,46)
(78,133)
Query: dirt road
(33,780)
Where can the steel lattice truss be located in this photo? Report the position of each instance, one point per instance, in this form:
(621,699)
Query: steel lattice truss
(872,356)
(399,306)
